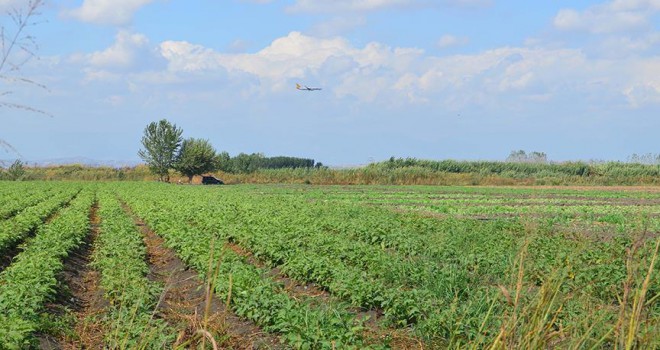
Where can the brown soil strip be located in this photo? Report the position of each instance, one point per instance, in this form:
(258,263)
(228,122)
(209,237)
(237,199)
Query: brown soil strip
(467,204)
(373,333)
(7,258)
(496,216)
(183,302)
(80,295)
(12,252)
(632,188)
(294,289)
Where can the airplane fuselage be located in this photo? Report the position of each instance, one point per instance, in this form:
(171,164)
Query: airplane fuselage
(306,88)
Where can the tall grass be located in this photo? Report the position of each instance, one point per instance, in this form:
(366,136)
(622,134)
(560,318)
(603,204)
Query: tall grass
(408,171)
(534,316)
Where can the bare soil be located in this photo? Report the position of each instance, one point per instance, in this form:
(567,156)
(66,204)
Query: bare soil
(373,332)
(12,252)
(293,288)
(185,302)
(79,295)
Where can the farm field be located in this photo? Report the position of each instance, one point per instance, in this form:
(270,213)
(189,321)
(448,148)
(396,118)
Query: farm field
(151,265)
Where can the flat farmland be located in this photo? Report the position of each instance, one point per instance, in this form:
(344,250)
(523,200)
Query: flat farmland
(152,265)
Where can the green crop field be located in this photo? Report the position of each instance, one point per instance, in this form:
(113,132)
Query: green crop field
(152,265)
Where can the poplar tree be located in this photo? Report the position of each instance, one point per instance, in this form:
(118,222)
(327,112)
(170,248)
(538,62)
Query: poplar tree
(161,141)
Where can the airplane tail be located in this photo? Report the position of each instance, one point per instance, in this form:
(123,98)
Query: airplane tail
(298,86)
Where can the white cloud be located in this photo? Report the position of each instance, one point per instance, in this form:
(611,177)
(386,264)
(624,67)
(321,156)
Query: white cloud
(610,17)
(345,5)
(131,53)
(449,40)
(295,57)
(375,73)
(338,25)
(644,87)
(123,53)
(371,5)
(114,12)
(623,45)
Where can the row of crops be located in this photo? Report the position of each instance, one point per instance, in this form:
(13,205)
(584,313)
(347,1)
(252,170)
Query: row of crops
(396,267)
(31,278)
(444,278)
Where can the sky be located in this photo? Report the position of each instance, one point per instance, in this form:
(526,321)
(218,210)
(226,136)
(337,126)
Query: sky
(431,79)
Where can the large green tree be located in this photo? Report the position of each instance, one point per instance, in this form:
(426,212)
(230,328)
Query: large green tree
(161,141)
(196,156)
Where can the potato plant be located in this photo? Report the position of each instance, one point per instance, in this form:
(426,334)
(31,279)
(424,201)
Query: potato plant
(15,229)
(30,281)
(120,257)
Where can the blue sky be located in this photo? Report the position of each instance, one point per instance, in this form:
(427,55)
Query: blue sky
(459,79)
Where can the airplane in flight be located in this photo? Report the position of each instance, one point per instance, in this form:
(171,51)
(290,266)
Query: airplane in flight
(305,88)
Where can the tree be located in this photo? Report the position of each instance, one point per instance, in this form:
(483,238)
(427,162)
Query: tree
(521,156)
(196,156)
(16,171)
(245,163)
(17,48)
(161,141)
(224,162)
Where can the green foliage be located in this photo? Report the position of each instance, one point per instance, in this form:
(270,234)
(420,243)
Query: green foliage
(224,162)
(456,267)
(254,295)
(16,171)
(30,218)
(516,168)
(249,163)
(443,278)
(120,257)
(521,156)
(196,157)
(79,172)
(161,141)
(28,283)
(648,158)
(246,169)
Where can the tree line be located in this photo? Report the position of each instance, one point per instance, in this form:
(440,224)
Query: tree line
(164,149)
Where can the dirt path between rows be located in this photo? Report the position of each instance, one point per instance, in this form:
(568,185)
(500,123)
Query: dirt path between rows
(373,332)
(184,302)
(81,295)
(7,258)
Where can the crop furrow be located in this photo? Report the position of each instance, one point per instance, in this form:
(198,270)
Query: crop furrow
(189,306)
(21,202)
(27,223)
(253,295)
(30,281)
(367,277)
(79,296)
(120,257)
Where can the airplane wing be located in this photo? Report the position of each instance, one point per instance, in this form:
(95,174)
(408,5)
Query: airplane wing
(306,88)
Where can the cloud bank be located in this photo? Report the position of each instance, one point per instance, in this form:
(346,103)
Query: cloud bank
(508,77)
(112,12)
